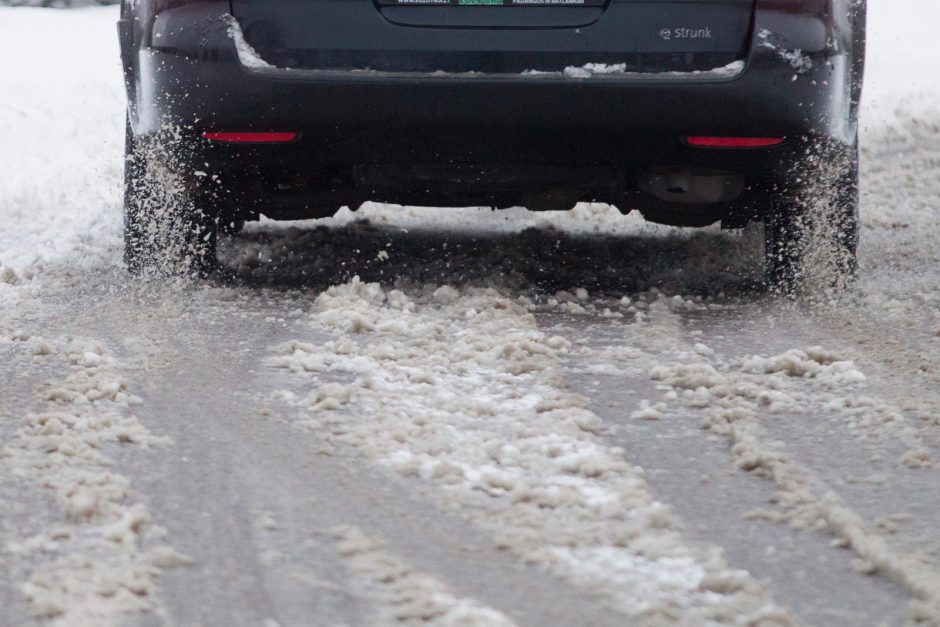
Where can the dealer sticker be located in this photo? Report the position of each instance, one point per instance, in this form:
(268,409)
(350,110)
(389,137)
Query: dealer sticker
(499,3)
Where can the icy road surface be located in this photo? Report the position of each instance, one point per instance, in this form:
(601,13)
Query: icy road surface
(459,417)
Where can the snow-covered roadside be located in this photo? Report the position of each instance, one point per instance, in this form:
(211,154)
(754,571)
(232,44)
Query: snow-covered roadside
(901,78)
(900,250)
(61,119)
(460,390)
(900,144)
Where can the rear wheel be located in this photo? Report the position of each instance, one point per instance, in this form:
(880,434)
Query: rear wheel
(169,229)
(811,239)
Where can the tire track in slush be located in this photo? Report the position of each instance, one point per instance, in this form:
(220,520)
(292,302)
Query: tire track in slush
(756,406)
(460,390)
(100,559)
(256,499)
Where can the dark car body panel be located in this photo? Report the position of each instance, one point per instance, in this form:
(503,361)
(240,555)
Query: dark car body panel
(490,136)
(317,35)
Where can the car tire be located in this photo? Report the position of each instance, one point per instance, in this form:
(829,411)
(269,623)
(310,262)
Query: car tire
(813,237)
(166,231)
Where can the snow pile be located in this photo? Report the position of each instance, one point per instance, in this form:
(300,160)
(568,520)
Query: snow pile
(404,595)
(247,55)
(62,125)
(97,569)
(459,388)
(900,69)
(900,172)
(899,286)
(591,70)
(594,69)
(813,363)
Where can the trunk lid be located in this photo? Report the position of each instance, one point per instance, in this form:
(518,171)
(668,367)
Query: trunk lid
(497,36)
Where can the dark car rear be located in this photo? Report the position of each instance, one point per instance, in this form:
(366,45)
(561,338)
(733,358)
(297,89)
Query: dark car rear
(692,111)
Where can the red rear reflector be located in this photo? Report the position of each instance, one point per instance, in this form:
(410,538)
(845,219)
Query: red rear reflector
(250,137)
(699,141)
